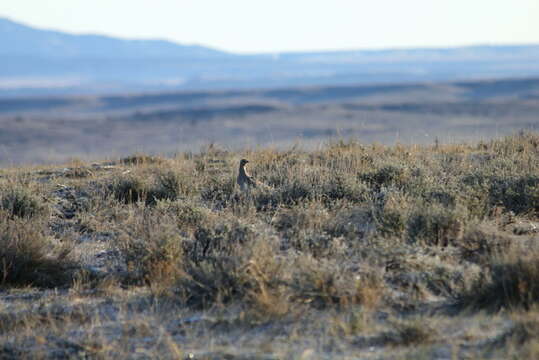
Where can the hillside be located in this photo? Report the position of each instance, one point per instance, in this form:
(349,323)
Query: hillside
(36,61)
(351,251)
(23,41)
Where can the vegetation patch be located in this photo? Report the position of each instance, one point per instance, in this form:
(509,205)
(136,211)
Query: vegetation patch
(27,258)
(171,254)
(19,201)
(513,283)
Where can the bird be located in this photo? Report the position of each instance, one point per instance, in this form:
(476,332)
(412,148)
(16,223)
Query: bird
(245,181)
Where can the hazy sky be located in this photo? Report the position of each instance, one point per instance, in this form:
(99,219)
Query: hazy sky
(286,25)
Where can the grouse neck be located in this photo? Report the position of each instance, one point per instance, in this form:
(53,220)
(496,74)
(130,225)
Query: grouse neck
(243,172)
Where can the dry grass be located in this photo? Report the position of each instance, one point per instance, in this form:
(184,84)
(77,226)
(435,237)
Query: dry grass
(356,237)
(27,257)
(513,281)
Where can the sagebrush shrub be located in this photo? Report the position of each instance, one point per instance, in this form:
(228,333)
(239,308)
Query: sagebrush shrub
(28,258)
(130,189)
(520,194)
(389,175)
(21,202)
(218,190)
(141,159)
(171,185)
(513,282)
(435,225)
(165,185)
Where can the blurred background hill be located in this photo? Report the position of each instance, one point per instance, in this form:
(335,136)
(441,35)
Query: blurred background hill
(65,95)
(35,61)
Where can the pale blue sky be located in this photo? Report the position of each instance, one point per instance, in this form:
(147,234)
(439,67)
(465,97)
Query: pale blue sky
(250,26)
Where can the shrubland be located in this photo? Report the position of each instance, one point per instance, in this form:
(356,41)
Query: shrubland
(352,250)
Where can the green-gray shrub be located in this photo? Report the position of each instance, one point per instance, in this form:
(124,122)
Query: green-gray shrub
(21,202)
(27,257)
(512,283)
(435,225)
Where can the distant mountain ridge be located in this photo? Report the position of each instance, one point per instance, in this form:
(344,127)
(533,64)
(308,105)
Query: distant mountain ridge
(21,40)
(34,61)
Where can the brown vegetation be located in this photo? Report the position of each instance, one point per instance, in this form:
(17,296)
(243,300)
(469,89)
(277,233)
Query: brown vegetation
(384,245)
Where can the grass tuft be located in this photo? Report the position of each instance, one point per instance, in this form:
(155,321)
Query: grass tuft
(21,202)
(513,283)
(27,257)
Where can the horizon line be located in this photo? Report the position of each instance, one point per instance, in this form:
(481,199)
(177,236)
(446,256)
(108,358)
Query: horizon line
(278,52)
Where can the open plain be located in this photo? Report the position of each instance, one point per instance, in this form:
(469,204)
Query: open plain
(61,128)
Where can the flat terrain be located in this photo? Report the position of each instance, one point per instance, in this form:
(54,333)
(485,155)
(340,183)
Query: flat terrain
(349,251)
(56,129)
